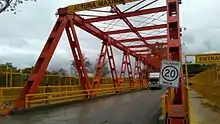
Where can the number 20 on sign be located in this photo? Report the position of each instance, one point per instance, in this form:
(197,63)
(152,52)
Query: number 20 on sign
(170,73)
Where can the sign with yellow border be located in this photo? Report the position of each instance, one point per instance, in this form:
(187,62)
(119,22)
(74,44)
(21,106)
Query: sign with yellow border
(95,4)
(208,59)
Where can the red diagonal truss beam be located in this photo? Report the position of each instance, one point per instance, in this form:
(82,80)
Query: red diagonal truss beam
(177,106)
(133,28)
(129,24)
(128,14)
(137,29)
(80,22)
(85,25)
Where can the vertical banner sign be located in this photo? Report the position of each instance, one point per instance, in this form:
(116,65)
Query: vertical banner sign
(170,73)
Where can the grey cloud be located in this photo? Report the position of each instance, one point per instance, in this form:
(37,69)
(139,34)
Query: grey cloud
(23,36)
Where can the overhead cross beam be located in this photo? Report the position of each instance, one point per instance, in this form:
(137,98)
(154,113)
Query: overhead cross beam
(137,29)
(143,39)
(144,50)
(80,22)
(151,45)
(128,14)
(124,18)
(86,25)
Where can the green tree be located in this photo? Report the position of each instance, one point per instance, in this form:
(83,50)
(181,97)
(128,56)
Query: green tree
(90,67)
(54,72)
(8,66)
(11,5)
(87,64)
(27,70)
(62,72)
(194,69)
(105,70)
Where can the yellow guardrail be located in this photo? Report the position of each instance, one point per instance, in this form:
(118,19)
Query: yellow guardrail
(48,95)
(60,89)
(164,102)
(207,83)
(164,105)
(33,100)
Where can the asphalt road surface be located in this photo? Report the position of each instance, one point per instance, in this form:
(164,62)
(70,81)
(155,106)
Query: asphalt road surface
(131,108)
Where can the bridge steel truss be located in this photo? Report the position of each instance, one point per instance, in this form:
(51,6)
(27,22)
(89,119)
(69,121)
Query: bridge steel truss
(177,112)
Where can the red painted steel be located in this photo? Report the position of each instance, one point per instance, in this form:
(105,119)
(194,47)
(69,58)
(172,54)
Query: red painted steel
(170,49)
(144,81)
(146,50)
(140,38)
(177,109)
(34,79)
(137,71)
(106,49)
(126,64)
(77,55)
(144,39)
(151,45)
(99,67)
(128,14)
(137,29)
(113,68)
(80,22)
(39,69)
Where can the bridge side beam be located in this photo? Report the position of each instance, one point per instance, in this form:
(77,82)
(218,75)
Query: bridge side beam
(177,107)
(34,79)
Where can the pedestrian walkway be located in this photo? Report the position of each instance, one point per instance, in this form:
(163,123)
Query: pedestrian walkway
(202,111)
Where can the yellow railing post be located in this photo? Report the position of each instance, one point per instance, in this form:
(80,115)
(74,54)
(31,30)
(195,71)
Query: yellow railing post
(10,83)
(26,101)
(187,88)
(1,93)
(21,78)
(60,83)
(163,98)
(6,75)
(70,81)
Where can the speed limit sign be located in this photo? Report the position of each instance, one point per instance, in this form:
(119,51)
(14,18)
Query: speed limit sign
(170,73)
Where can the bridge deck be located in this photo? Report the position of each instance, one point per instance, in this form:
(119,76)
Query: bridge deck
(202,111)
(131,108)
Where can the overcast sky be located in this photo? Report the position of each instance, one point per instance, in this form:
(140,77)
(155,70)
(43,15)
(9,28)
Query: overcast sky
(22,36)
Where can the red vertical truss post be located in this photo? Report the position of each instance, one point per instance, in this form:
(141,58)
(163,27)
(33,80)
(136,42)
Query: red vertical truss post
(141,75)
(144,76)
(34,79)
(177,109)
(77,55)
(113,68)
(130,73)
(123,71)
(126,63)
(137,72)
(99,67)
(123,68)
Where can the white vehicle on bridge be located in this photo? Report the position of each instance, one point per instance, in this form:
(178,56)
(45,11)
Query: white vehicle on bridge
(154,80)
